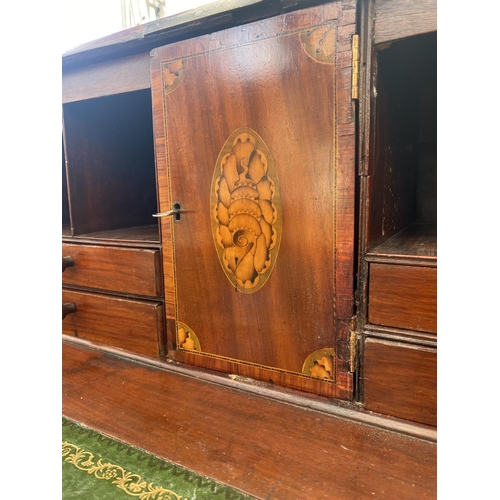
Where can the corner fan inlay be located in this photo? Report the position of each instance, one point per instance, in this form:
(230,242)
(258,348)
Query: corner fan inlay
(320,364)
(246,211)
(173,74)
(320,43)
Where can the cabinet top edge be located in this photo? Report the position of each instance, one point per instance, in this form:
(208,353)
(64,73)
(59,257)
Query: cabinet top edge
(216,16)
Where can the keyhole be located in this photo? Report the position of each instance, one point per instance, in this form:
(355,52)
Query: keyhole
(177,206)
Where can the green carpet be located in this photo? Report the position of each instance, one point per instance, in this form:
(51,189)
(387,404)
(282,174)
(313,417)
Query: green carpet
(96,467)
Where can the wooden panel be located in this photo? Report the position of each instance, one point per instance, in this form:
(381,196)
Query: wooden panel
(264,87)
(112,77)
(401,380)
(123,323)
(125,270)
(403,297)
(403,18)
(265,448)
(400,335)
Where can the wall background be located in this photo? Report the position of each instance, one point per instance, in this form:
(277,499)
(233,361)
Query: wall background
(86,20)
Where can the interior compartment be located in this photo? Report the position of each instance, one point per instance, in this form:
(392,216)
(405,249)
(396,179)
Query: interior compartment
(66,224)
(111,166)
(403,181)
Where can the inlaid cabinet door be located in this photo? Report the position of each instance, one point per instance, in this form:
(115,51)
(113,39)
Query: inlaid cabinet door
(255,141)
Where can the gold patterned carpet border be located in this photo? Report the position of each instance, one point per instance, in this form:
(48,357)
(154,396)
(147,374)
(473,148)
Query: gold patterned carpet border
(96,467)
(130,483)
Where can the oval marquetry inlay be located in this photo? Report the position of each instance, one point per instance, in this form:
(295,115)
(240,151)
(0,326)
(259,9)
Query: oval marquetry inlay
(246,210)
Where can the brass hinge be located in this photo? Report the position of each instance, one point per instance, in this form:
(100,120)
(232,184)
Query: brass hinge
(355,67)
(352,346)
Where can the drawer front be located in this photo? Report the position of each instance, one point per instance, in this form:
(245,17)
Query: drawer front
(403,297)
(124,270)
(132,325)
(401,380)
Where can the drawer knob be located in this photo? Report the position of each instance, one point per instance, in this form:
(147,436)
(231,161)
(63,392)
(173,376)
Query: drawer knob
(68,308)
(68,262)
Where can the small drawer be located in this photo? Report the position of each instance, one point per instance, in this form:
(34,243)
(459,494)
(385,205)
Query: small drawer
(401,380)
(403,296)
(125,270)
(127,324)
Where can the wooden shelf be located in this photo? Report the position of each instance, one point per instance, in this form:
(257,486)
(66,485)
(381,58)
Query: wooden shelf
(137,233)
(143,236)
(416,242)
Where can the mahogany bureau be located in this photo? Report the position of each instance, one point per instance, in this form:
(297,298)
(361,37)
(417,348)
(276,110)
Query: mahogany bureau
(249,195)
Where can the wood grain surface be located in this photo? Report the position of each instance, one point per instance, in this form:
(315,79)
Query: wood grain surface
(265,448)
(136,235)
(127,324)
(274,78)
(395,19)
(417,240)
(403,297)
(124,74)
(125,270)
(401,380)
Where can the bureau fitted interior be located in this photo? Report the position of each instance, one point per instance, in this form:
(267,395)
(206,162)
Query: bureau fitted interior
(379,351)
(114,284)
(400,331)
(310,126)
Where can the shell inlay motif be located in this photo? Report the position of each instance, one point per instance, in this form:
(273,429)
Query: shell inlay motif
(246,212)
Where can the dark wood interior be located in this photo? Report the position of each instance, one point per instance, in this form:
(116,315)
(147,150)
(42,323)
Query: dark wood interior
(111,166)
(399,256)
(65,200)
(403,182)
